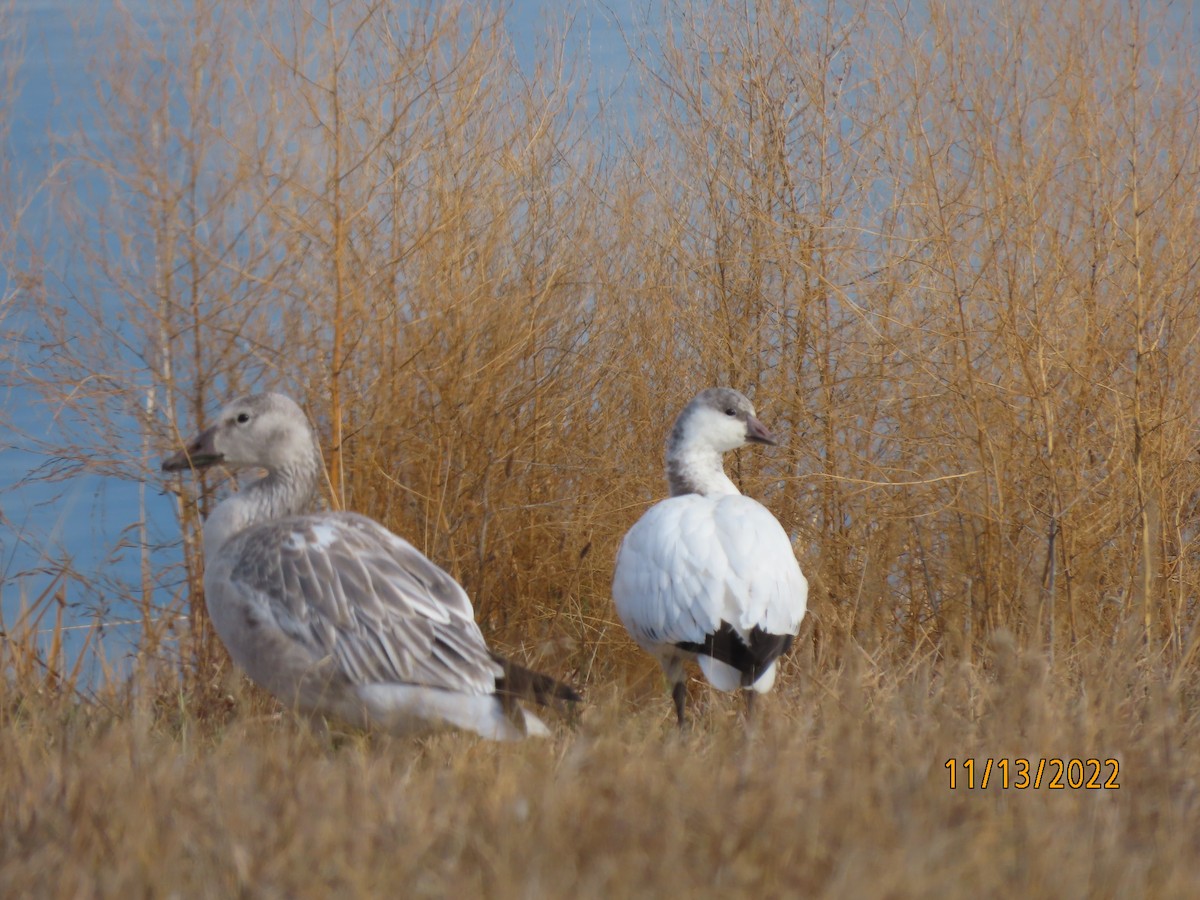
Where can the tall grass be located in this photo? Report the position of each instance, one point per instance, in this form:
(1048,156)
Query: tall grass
(949,253)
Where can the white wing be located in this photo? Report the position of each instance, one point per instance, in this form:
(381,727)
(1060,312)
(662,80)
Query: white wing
(693,562)
(344,588)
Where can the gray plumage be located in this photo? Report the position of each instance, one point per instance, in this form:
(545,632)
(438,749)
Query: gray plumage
(333,613)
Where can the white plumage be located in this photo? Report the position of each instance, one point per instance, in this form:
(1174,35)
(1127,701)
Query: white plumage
(709,574)
(333,613)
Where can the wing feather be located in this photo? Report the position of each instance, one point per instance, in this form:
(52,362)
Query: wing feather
(766,588)
(350,589)
(693,562)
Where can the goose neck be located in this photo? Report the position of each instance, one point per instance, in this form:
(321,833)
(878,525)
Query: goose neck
(697,471)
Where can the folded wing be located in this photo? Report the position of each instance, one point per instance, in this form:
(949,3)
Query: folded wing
(695,570)
(351,591)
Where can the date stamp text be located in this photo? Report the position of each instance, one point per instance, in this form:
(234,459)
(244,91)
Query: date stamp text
(1020,773)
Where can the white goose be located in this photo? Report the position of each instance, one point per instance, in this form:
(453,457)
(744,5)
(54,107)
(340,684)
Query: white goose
(330,611)
(709,574)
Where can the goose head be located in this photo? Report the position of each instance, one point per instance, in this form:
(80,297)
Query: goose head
(719,419)
(268,431)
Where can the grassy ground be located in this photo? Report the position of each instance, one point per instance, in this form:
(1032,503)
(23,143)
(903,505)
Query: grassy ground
(948,250)
(841,790)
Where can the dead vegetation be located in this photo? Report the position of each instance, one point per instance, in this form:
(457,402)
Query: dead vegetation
(843,791)
(951,257)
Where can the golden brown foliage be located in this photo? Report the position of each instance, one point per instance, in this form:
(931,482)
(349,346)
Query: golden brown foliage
(951,256)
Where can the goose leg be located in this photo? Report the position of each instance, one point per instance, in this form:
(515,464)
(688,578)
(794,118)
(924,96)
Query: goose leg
(679,695)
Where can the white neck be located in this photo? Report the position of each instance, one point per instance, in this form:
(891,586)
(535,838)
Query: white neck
(697,470)
(282,492)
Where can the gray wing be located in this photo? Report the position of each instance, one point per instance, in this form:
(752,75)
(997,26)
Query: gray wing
(349,589)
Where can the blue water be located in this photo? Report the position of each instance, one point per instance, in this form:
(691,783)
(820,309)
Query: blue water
(58,535)
(76,535)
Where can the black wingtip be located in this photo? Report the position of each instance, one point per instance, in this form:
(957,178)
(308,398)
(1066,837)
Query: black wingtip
(751,656)
(526,684)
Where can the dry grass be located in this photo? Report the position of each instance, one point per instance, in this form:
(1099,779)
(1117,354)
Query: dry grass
(950,256)
(841,792)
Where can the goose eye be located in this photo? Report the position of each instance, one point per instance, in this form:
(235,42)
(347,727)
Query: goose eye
(243,418)
(731,412)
